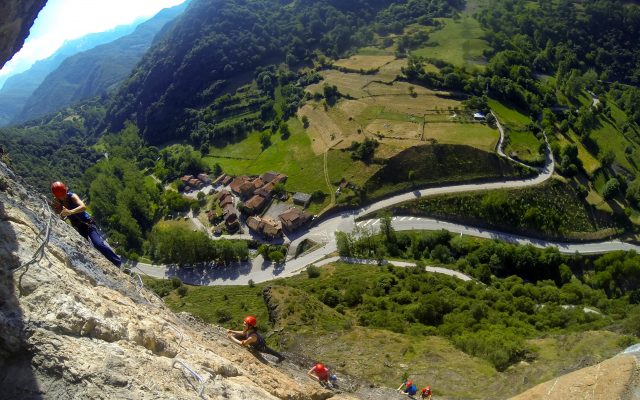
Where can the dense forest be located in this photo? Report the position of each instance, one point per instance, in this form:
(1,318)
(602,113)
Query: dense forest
(488,322)
(55,147)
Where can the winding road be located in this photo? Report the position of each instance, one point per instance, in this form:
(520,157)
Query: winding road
(258,270)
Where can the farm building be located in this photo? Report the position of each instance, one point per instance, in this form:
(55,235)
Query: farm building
(302,199)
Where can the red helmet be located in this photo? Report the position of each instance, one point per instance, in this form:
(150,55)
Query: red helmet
(409,383)
(59,189)
(320,367)
(251,321)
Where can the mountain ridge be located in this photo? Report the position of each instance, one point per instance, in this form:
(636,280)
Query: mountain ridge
(96,70)
(17,88)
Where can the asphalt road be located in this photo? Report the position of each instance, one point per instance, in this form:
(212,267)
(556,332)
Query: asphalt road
(257,270)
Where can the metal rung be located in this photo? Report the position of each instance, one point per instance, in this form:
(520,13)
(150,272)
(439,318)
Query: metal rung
(139,282)
(193,373)
(176,330)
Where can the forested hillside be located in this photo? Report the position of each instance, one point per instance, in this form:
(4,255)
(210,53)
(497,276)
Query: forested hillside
(95,71)
(57,146)
(216,42)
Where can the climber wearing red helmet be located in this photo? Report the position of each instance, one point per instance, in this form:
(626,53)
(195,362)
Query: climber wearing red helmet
(426,393)
(69,206)
(408,387)
(249,336)
(320,373)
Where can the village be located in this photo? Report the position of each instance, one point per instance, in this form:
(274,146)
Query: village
(247,207)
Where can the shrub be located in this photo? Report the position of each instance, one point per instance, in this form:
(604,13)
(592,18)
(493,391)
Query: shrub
(160,287)
(331,297)
(313,271)
(276,256)
(176,282)
(182,290)
(223,316)
(500,347)
(611,189)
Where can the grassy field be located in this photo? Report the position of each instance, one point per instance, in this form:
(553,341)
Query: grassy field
(509,115)
(459,42)
(364,62)
(374,51)
(524,146)
(475,135)
(522,143)
(548,210)
(292,156)
(608,137)
(589,162)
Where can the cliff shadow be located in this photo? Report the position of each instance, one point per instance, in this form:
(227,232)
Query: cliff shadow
(17,379)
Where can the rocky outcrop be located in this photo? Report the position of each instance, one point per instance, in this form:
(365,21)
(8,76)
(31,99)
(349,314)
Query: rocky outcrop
(16,18)
(615,378)
(74,326)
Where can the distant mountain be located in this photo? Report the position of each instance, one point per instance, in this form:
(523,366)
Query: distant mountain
(95,71)
(17,88)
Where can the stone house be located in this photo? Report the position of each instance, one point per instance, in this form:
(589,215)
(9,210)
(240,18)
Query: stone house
(294,218)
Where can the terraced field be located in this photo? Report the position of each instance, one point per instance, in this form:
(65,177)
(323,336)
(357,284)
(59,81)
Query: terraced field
(396,113)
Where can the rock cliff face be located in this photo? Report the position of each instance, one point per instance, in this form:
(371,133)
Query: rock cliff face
(615,378)
(16,18)
(74,326)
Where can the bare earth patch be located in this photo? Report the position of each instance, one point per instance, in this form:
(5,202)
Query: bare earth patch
(322,130)
(349,84)
(394,129)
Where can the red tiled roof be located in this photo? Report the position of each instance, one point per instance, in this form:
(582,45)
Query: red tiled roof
(255,203)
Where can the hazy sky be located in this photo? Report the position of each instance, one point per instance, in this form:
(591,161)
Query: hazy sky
(62,20)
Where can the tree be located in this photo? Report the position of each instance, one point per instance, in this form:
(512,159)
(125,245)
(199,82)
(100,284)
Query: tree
(284,129)
(278,189)
(305,121)
(611,189)
(608,158)
(344,243)
(276,256)
(633,192)
(265,140)
(386,229)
